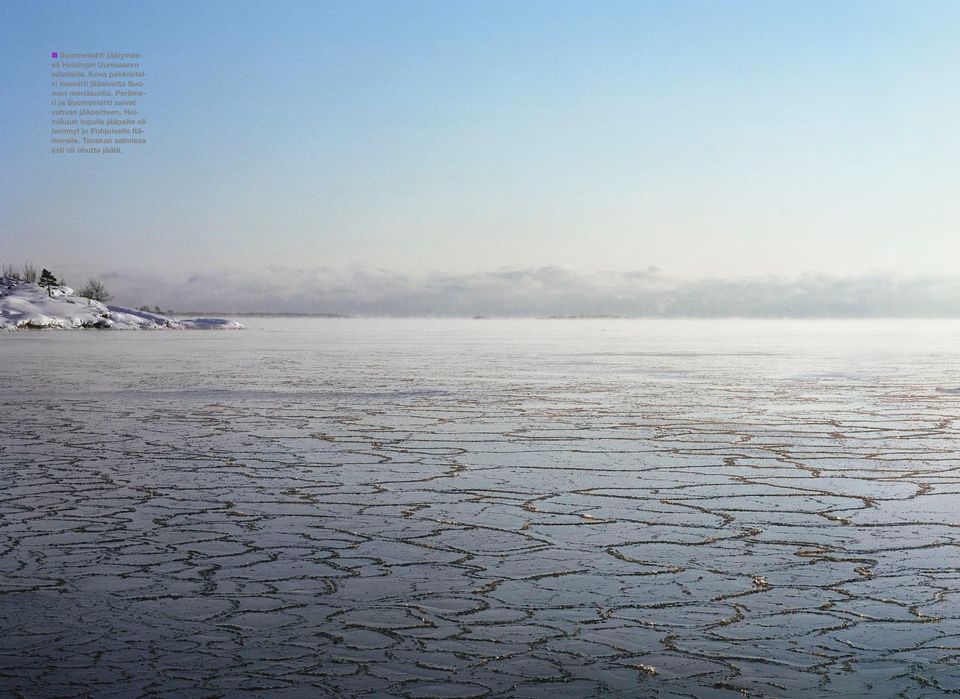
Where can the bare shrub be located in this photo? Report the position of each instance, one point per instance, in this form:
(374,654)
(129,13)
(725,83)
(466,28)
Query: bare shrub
(94,289)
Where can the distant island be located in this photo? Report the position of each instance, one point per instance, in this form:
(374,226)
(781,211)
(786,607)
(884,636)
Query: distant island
(270,314)
(26,305)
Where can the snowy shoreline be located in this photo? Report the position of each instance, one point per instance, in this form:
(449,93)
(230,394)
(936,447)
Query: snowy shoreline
(27,306)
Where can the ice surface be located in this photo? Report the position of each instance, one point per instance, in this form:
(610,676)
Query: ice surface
(452,508)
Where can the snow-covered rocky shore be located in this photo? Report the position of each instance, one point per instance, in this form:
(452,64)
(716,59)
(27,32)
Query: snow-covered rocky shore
(28,306)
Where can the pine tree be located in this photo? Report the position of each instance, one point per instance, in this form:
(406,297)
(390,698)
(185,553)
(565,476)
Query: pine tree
(48,280)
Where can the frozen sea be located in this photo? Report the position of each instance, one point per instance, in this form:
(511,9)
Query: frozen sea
(453,508)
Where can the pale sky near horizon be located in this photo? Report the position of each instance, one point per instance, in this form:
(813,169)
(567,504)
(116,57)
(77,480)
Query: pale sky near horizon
(709,139)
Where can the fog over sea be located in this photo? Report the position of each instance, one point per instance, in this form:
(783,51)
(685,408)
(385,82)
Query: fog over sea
(458,508)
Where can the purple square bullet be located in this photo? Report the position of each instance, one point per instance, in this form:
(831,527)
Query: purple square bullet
(54,54)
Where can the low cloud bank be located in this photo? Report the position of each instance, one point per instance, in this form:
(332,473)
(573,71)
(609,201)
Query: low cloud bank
(542,291)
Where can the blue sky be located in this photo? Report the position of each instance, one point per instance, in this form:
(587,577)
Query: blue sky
(709,139)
